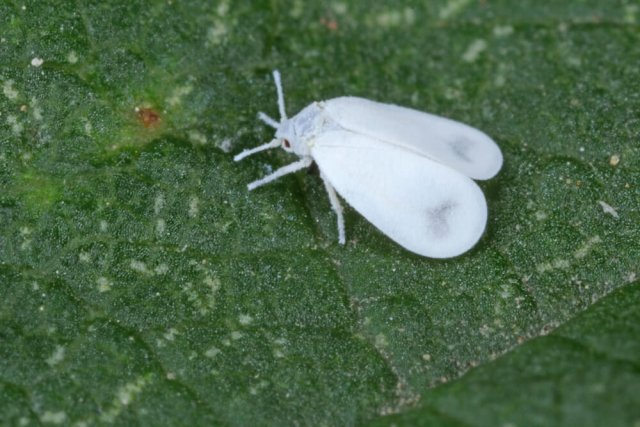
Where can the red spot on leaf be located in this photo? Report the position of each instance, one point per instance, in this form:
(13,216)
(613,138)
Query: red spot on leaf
(148,116)
(330,24)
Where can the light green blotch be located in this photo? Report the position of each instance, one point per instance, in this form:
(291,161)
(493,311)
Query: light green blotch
(395,18)
(104,285)
(453,8)
(170,335)
(158,203)
(72,57)
(125,395)
(340,8)
(50,417)
(161,269)
(140,267)
(502,30)
(212,352)
(16,126)
(204,300)
(218,31)
(587,247)
(381,341)
(36,110)
(38,192)
(630,12)
(193,206)
(8,90)
(56,357)
(557,264)
(474,50)
(197,138)
(245,319)
(178,94)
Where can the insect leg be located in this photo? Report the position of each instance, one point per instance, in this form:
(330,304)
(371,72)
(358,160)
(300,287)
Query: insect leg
(285,170)
(337,208)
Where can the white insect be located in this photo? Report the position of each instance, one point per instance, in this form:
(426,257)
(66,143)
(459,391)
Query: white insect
(408,172)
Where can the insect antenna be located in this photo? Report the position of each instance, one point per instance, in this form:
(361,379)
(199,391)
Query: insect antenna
(271,144)
(278,82)
(269,121)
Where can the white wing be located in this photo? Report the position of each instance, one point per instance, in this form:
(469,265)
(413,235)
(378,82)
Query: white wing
(426,207)
(452,143)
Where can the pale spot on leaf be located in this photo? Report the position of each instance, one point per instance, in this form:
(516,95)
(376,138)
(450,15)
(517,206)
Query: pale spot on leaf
(608,209)
(8,90)
(245,319)
(72,57)
(56,357)
(474,50)
(50,417)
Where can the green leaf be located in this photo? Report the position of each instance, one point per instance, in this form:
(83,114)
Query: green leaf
(142,284)
(584,373)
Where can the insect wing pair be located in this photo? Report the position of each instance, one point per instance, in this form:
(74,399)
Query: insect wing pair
(409,173)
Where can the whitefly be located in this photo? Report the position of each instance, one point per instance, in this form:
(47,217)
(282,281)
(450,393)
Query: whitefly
(408,172)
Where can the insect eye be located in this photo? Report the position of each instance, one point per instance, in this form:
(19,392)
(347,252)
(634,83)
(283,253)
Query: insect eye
(286,143)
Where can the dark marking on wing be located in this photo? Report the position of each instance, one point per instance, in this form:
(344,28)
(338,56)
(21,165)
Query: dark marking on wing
(437,219)
(460,148)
